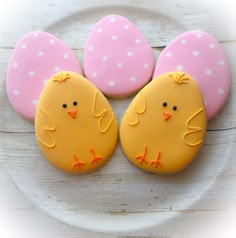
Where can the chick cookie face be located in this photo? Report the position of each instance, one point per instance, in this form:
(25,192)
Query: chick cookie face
(75,126)
(164,127)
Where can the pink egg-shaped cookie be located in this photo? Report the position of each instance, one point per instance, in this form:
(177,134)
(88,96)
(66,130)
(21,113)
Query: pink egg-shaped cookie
(36,57)
(117,57)
(200,55)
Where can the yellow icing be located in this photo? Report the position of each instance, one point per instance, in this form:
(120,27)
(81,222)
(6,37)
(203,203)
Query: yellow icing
(167,145)
(102,115)
(179,77)
(61,77)
(82,143)
(193,129)
(138,108)
(47,131)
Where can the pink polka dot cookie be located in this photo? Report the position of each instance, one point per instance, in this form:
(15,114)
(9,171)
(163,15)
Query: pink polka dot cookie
(36,57)
(117,57)
(200,55)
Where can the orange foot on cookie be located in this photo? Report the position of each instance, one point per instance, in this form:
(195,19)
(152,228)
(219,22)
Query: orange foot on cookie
(95,158)
(156,162)
(78,164)
(142,157)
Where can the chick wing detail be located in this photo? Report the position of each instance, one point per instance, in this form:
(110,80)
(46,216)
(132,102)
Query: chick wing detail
(104,118)
(45,135)
(190,137)
(138,108)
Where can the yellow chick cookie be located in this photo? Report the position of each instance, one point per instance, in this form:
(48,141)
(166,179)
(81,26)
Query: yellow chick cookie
(164,127)
(75,125)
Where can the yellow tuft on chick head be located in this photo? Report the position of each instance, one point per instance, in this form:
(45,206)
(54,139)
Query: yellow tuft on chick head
(163,128)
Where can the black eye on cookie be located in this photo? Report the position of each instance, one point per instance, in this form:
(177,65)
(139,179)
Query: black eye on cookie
(164,104)
(75,103)
(64,105)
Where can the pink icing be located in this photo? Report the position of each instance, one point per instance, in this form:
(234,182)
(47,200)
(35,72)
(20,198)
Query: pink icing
(200,55)
(117,58)
(36,57)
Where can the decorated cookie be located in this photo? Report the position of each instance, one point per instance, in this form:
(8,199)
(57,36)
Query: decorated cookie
(117,57)
(164,127)
(200,55)
(75,126)
(36,57)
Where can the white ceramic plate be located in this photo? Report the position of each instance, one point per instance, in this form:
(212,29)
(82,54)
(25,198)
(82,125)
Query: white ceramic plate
(118,197)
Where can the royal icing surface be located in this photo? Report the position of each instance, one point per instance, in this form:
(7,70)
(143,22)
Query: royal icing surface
(117,57)
(36,57)
(75,126)
(200,55)
(161,131)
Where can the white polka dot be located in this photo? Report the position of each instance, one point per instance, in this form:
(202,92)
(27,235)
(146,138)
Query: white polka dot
(179,67)
(112,19)
(146,66)
(91,48)
(16,92)
(111,83)
(56,68)
(119,65)
(205,103)
(66,56)
(126,27)
(169,54)
(52,41)
(15,65)
(45,81)
(94,75)
(194,79)
(208,72)
(104,58)
(137,41)
(132,79)
(130,53)
(199,35)
(23,46)
(196,53)
(221,91)
(31,73)
(114,37)
(183,41)
(222,62)
(35,102)
(36,34)
(99,30)
(40,53)
(212,46)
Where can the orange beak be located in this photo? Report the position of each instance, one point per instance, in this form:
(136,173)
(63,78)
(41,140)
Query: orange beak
(166,116)
(72,113)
